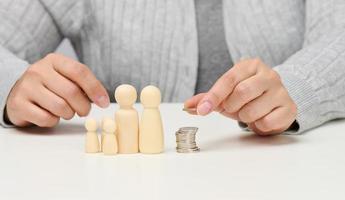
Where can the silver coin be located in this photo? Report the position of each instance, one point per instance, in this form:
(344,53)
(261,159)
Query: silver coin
(188,150)
(188,129)
(186,147)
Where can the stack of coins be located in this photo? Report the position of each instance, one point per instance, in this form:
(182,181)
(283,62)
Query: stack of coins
(185,140)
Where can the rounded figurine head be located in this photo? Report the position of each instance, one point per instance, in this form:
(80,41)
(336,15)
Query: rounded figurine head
(109,126)
(150,96)
(125,95)
(105,119)
(91,125)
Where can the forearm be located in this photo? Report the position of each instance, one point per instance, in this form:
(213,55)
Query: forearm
(314,76)
(11,68)
(22,41)
(314,80)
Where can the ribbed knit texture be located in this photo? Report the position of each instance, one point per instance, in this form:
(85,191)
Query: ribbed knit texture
(304,41)
(155,42)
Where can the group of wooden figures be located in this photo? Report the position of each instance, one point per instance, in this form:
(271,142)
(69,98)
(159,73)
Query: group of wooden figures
(124,134)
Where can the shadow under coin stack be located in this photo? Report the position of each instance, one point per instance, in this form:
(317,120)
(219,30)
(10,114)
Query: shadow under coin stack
(185,140)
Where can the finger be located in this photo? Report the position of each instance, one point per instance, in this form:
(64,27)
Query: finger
(225,85)
(277,121)
(83,77)
(245,92)
(69,91)
(233,116)
(260,106)
(16,117)
(52,103)
(259,132)
(193,101)
(39,116)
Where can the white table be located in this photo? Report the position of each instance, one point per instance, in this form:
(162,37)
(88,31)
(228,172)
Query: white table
(51,164)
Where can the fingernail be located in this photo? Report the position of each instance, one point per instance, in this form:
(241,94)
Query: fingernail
(204,108)
(103,101)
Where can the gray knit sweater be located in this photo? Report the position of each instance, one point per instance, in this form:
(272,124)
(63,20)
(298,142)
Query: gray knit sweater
(155,42)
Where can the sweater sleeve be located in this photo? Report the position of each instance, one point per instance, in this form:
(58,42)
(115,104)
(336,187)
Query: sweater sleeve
(27,33)
(315,75)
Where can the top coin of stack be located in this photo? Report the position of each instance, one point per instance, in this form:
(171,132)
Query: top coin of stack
(185,140)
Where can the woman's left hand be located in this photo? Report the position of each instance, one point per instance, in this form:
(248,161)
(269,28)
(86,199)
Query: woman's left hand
(250,92)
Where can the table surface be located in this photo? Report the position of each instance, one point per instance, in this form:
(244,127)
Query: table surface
(233,164)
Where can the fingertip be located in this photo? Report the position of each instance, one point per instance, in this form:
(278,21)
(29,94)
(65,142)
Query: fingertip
(193,101)
(204,108)
(188,103)
(102,101)
(207,104)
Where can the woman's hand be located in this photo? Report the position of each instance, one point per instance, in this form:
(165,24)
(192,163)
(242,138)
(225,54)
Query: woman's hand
(53,88)
(250,92)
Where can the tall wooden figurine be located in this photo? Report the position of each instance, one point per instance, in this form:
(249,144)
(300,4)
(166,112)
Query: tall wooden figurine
(109,145)
(127,120)
(151,136)
(92,142)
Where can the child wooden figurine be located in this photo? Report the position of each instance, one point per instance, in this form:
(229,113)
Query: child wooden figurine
(92,142)
(109,145)
(103,131)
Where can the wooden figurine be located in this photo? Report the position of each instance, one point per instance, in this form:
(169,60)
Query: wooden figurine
(127,120)
(109,145)
(103,131)
(92,142)
(151,137)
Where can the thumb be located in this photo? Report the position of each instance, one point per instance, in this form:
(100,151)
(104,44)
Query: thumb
(212,100)
(216,95)
(193,101)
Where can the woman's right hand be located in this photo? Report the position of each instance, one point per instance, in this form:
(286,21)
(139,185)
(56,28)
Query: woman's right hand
(53,88)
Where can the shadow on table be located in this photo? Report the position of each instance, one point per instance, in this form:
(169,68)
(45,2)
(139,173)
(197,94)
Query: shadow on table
(61,129)
(245,139)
